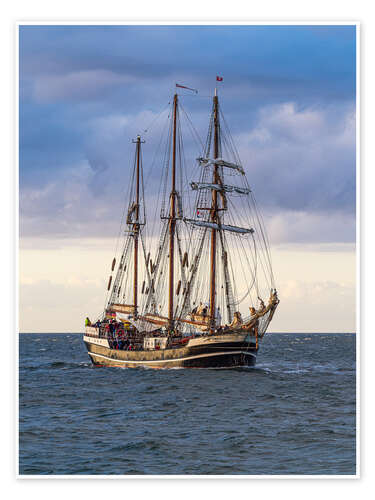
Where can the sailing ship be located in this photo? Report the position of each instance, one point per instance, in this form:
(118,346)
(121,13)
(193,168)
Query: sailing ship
(178,292)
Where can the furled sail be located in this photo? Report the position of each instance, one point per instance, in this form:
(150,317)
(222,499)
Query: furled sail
(122,308)
(144,325)
(221,163)
(225,227)
(217,187)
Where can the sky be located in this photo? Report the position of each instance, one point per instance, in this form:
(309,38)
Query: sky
(288,95)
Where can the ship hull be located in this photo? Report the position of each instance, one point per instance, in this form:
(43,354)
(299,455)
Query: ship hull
(228,351)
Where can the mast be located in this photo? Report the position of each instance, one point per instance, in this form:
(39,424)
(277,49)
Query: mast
(135,219)
(214,217)
(172,220)
(136,229)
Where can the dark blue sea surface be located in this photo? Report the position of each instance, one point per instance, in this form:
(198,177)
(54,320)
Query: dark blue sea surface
(294,413)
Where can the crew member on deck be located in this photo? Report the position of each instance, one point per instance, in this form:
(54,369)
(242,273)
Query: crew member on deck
(87,322)
(237,320)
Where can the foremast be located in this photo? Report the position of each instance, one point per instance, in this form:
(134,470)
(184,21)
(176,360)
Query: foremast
(124,295)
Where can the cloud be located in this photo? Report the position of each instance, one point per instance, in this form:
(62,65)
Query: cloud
(62,281)
(69,206)
(87,91)
(320,306)
(300,164)
(58,307)
(305,227)
(85,96)
(324,306)
(79,85)
(302,159)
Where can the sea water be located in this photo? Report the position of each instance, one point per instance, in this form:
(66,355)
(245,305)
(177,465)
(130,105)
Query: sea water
(294,413)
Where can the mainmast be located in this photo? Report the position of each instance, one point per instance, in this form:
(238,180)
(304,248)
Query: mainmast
(214,216)
(172,220)
(136,228)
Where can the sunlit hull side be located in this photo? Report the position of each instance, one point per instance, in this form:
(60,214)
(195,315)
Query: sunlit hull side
(221,351)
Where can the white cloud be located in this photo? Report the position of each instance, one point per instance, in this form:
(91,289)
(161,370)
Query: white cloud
(323,306)
(52,307)
(286,122)
(62,281)
(55,307)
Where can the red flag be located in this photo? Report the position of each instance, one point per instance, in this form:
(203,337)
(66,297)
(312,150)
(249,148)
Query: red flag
(219,78)
(188,88)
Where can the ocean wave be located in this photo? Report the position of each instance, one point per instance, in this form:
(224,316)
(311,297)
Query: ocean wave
(294,412)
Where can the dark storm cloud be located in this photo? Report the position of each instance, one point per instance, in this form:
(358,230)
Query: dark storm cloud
(86,91)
